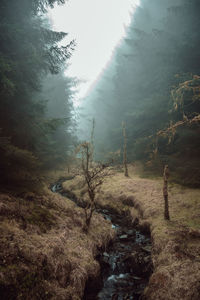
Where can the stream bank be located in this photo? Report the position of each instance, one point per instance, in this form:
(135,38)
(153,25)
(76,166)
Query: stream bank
(44,253)
(125,264)
(175,243)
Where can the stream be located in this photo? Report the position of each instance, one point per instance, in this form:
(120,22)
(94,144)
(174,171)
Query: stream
(126,263)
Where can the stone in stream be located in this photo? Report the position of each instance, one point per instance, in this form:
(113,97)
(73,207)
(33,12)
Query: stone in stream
(131,232)
(53,188)
(138,263)
(123,237)
(146,249)
(114,226)
(105,257)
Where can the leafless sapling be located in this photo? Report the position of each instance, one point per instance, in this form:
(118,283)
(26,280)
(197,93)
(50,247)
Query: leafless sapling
(94,174)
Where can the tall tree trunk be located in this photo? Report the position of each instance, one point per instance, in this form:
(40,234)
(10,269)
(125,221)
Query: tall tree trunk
(165,192)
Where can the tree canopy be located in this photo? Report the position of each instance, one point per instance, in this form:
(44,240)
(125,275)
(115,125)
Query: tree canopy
(29,51)
(151,80)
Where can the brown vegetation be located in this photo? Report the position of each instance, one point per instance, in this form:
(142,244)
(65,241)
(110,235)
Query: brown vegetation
(44,254)
(94,174)
(175,243)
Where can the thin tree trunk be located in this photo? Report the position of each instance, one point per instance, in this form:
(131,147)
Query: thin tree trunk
(92,141)
(125,150)
(165,192)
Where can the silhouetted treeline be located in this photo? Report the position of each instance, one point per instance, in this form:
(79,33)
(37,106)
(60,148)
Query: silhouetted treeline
(33,133)
(152,84)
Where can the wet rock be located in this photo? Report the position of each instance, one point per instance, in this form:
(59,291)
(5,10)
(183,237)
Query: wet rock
(146,249)
(105,258)
(138,263)
(123,237)
(140,238)
(114,226)
(136,278)
(131,232)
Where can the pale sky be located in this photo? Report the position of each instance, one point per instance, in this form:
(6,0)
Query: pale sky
(97,26)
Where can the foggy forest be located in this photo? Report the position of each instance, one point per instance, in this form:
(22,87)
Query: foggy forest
(100,200)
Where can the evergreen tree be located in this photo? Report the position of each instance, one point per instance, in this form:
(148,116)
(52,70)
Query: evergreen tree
(28,52)
(160,51)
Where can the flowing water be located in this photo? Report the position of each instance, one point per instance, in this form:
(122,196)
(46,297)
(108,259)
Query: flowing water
(125,264)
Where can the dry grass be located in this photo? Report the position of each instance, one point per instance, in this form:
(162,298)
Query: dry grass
(175,243)
(44,253)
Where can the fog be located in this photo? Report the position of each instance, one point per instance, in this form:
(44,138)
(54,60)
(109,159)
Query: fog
(146,76)
(158,53)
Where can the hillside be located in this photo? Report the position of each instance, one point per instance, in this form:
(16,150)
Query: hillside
(44,253)
(175,243)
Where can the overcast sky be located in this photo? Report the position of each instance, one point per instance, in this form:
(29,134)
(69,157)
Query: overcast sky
(97,26)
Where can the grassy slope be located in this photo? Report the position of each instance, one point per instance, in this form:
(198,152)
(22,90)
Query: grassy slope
(44,253)
(175,243)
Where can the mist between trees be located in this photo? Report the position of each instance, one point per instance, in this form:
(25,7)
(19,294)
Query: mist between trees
(152,83)
(36,114)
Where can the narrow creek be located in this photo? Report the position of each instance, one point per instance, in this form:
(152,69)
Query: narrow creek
(126,263)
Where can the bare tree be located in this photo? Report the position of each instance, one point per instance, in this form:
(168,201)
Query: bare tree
(165,192)
(94,175)
(125,150)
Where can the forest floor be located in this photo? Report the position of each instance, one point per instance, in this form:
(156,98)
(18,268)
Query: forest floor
(45,254)
(175,243)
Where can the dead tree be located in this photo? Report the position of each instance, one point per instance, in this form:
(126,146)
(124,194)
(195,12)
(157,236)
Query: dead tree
(165,192)
(125,150)
(94,175)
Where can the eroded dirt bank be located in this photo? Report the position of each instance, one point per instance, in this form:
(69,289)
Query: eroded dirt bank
(175,243)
